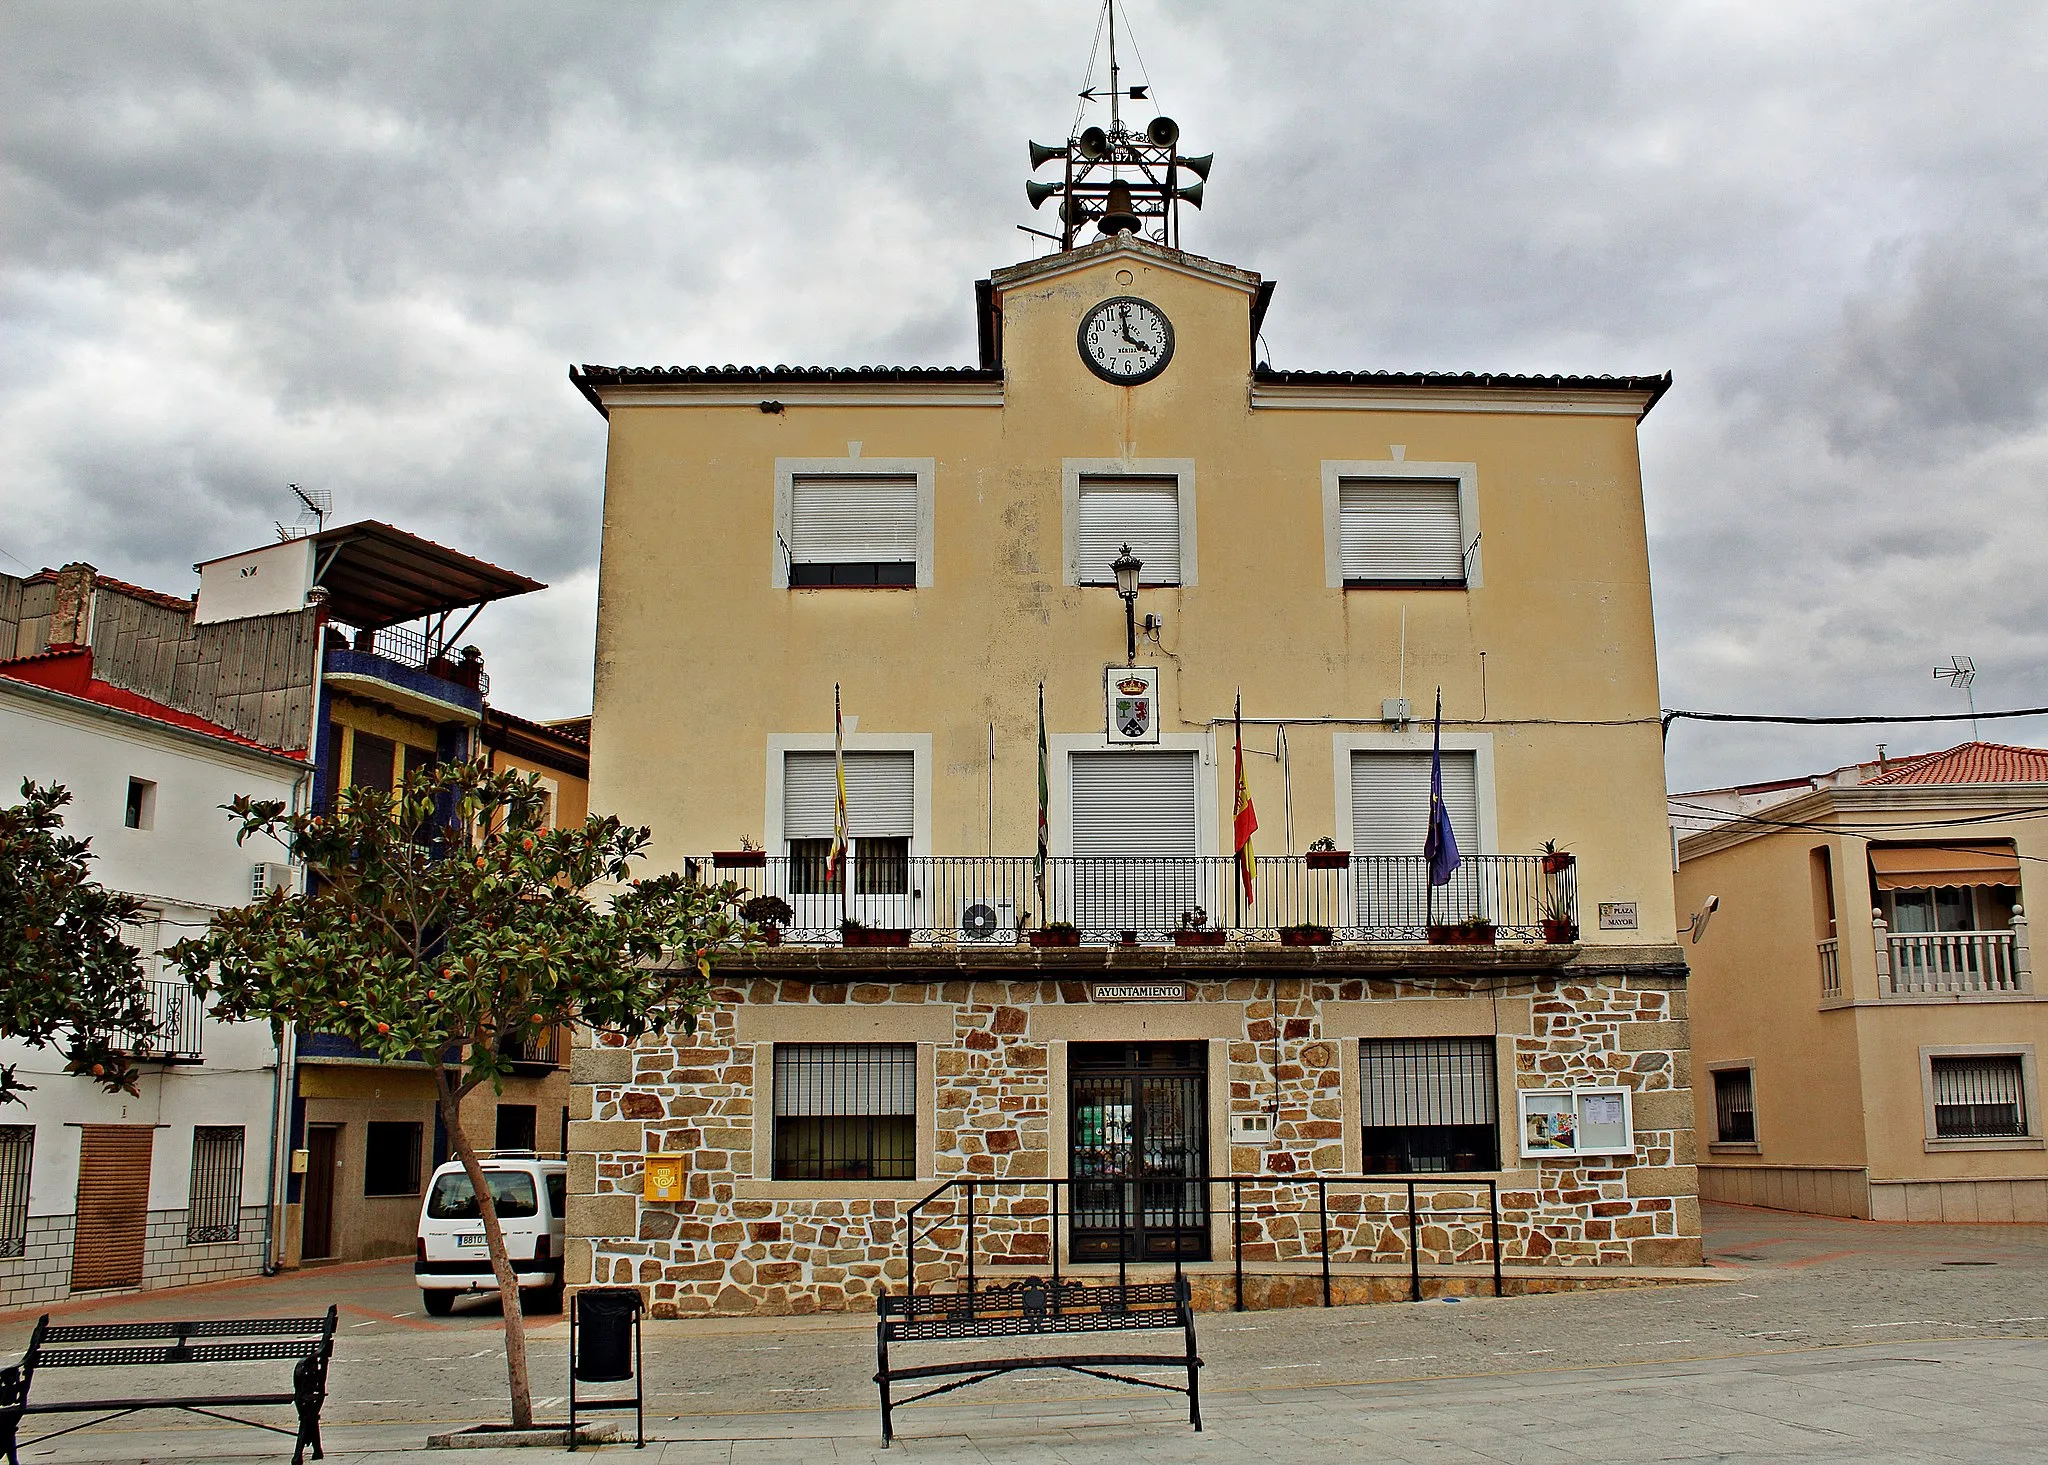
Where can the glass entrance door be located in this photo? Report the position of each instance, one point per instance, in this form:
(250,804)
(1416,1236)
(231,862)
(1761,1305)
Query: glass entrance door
(1139,1151)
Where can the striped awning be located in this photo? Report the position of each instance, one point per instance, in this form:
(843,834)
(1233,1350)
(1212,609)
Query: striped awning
(1921,867)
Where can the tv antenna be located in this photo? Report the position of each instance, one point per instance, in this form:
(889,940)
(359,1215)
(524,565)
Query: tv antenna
(315,505)
(1961,672)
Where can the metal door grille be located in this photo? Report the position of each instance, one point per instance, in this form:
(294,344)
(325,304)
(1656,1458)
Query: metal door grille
(1734,1107)
(1139,1152)
(17,1147)
(1430,1104)
(1979,1097)
(214,1211)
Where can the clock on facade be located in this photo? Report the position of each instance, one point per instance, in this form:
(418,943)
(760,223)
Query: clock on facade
(1126,340)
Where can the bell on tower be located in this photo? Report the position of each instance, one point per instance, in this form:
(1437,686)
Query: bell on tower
(1122,181)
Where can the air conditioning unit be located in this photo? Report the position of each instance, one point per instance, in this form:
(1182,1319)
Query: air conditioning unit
(988,919)
(265,878)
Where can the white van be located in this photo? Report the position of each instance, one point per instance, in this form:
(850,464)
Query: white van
(531,1194)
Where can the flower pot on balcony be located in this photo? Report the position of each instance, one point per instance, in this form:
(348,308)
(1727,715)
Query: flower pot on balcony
(1328,859)
(1560,933)
(1305,935)
(1054,936)
(874,936)
(1465,933)
(739,859)
(1200,938)
(1557,861)
(1127,938)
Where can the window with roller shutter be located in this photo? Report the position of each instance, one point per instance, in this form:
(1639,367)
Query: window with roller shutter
(1141,512)
(113,1206)
(1399,532)
(853,530)
(881,811)
(1134,839)
(1390,819)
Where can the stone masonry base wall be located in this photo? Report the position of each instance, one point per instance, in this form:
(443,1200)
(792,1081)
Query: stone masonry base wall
(734,1245)
(43,1272)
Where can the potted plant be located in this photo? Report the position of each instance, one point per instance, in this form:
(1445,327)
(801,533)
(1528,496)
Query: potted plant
(771,913)
(1324,855)
(749,856)
(1056,933)
(1127,938)
(1305,935)
(856,933)
(1555,860)
(1559,929)
(1470,932)
(1195,930)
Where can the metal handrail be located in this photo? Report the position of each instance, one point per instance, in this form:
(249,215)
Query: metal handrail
(970,1185)
(179,1015)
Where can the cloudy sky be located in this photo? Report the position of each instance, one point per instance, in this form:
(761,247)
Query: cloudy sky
(357,245)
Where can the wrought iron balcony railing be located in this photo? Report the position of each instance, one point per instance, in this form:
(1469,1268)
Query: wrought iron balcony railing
(1299,899)
(180,1015)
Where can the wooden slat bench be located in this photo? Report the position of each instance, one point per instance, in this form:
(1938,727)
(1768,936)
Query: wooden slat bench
(309,1340)
(1036,1308)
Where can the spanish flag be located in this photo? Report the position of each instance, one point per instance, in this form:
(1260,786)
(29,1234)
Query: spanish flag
(1246,817)
(835,862)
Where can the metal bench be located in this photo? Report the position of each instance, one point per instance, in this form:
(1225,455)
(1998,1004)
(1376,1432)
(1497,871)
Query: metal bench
(309,1340)
(1036,1308)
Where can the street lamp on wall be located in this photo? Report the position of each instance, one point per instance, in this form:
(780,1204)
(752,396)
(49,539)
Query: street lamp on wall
(1126,567)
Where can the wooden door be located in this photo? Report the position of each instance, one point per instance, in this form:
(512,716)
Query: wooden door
(323,1159)
(113,1206)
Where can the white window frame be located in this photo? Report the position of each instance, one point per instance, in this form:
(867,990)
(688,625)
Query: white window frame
(1417,740)
(788,470)
(1526,1100)
(1466,476)
(918,745)
(1073,470)
(1059,816)
(2030,1095)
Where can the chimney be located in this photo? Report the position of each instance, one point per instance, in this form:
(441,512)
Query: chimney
(71,616)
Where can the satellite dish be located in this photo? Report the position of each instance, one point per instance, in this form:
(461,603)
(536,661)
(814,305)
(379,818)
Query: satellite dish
(1697,927)
(978,920)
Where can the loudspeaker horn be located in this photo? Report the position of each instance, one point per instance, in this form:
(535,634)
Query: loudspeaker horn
(1192,193)
(1074,212)
(1163,132)
(1198,166)
(1038,193)
(1041,154)
(1095,145)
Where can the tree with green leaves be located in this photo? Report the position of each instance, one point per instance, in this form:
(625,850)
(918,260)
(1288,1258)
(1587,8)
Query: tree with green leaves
(444,923)
(67,975)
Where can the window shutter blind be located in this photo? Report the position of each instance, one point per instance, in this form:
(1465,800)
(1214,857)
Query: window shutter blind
(1400,529)
(860,1079)
(1390,801)
(853,520)
(1141,512)
(1134,804)
(881,798)
(1417,1081)
(113,1205)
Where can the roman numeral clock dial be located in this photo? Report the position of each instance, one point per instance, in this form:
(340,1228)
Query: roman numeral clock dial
(1126,340)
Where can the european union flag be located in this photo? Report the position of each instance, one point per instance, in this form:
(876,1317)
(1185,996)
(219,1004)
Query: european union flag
(1441,844)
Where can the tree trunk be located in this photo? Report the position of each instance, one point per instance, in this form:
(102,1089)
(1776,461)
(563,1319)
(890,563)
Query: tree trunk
(494,1242)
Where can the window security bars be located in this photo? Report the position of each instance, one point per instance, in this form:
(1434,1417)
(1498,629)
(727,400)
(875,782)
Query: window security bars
(1429,1104)
(214,1210)
(1734,1107)
(17,1147)
(1979,1097)
(391,1159)
(1367,898)
(845,1111)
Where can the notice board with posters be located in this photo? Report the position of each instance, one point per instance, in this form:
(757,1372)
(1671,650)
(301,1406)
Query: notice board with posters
(1559,1124)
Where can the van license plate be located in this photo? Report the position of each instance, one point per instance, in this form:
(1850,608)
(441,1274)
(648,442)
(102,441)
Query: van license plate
(476,1239)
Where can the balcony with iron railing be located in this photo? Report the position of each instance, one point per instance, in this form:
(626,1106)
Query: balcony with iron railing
(179,1014)
(403,657)
(1296,900)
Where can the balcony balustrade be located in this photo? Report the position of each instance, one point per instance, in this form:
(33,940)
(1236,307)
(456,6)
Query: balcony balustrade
(1830,970)
(1953,963)
(180,1015)
(974,899)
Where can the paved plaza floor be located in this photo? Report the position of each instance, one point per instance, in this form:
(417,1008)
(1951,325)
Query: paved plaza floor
(1819,1340)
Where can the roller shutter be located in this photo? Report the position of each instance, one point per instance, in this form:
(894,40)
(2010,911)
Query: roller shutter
(853,520)
(1141,512)
(113,1205)
(1134,804)
(1390,802)
(1400,529)
(881,795)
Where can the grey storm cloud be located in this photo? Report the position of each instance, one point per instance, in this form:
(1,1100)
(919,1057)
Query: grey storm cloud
(356,246)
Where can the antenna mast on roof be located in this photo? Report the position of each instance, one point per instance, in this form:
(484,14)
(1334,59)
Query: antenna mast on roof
(1094,189)
(317,504)
(1961,671)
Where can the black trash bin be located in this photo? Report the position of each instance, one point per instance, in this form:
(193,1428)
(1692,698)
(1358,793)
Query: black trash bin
(604,1348)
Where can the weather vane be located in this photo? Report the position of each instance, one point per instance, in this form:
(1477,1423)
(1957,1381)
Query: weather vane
(1095,189)
(1961,671)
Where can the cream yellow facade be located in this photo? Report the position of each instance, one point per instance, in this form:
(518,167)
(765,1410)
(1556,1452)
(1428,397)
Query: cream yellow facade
(1280,1032)
(1848,1027)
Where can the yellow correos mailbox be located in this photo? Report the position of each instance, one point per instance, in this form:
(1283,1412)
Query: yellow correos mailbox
(662,1177)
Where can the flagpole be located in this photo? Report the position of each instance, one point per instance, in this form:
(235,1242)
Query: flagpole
(1038,858)
(838,861)
(1236,808)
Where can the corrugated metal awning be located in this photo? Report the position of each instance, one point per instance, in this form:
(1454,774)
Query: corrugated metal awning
(377,576)
(1922,867)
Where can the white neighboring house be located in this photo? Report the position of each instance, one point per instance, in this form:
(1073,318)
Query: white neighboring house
(103,1191)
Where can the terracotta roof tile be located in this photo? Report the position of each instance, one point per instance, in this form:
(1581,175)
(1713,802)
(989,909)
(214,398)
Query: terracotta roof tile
(1972,763)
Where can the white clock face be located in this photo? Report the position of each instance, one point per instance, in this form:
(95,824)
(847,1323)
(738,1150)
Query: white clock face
(1126,340)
